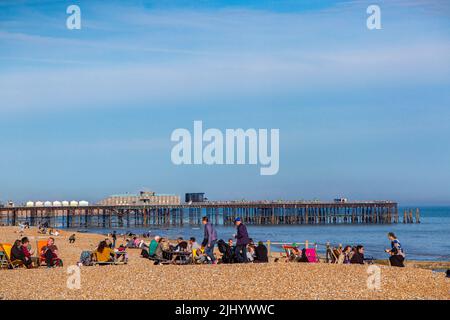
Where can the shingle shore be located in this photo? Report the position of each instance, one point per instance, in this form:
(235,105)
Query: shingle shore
(140,279)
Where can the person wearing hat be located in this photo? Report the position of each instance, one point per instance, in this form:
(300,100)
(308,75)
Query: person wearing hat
(242,240)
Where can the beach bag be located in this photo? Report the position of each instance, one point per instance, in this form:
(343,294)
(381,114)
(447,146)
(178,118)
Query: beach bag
(144,254)
(85,258)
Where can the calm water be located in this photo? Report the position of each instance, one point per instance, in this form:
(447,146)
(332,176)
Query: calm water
(429,240)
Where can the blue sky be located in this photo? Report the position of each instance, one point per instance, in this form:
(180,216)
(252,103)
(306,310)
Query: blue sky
(362,113)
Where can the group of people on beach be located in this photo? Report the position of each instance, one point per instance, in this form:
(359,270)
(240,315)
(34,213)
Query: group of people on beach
(23,254)
(355,254)
(241,249)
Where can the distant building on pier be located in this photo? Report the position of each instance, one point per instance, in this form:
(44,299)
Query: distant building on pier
(144,197)
(195,197)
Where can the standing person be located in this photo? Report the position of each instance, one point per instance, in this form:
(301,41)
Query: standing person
(210,239)
(242,241)
(114,238)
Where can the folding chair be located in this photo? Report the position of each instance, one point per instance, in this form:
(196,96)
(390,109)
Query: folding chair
(3,260)
(13,264)
(311,254)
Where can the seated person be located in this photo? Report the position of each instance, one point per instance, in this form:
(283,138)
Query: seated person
(104,253)
(295,255)
(130,243)
(108,243)
(225,250)
(250,253)
(121,253)
(358,255)
(145,250)
(17,256)
(137,242)
(181,245)
(345,255)
(28,262)
(153,245)
(158,254)
(155,249)
(199,255)
(49,253)
(261,254)
(193,245)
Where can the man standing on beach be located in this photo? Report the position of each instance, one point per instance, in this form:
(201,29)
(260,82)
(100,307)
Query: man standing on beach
(114,238)
(210,239)
(242,241)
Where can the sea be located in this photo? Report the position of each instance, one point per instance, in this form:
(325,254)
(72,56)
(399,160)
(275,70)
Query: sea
(427,240)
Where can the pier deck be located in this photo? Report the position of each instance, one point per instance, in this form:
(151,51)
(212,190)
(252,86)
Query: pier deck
(251,212)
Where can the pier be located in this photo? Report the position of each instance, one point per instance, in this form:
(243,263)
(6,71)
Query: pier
(219,213)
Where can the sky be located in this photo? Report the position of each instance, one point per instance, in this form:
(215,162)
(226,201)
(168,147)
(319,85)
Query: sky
(362,114)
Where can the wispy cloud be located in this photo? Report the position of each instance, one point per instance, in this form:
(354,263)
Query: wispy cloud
(177,57)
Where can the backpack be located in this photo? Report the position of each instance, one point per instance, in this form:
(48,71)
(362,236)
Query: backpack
(225,250)
(222,246)
(85,258)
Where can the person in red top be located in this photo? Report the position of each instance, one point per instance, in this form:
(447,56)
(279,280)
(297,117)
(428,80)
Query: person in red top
(27,260)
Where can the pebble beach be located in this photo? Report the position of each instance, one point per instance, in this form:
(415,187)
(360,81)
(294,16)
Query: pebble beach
(141,279)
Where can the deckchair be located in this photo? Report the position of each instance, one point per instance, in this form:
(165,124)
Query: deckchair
(3,259)
(114,262)
(13,264)
(311,254)
(41,261)
(332,255)
(40,258)
(288,249)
